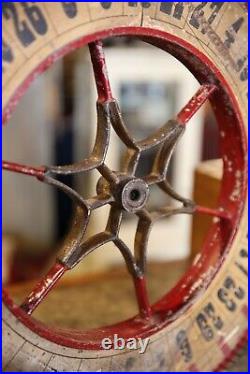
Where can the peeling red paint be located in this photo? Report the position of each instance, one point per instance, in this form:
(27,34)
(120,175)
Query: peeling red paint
(204,269)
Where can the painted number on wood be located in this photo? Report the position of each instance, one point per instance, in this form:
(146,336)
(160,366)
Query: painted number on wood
(26,30)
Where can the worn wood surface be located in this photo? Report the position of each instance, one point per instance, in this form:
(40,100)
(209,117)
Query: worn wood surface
(23,349)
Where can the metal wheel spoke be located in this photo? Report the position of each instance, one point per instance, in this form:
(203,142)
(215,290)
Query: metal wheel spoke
(108,174)
(143,230)
(166,187)
(73,257)
(100,71)
(114,220)
(76,197)
(130,161)
(168,138)
(165,134)
(142,297)
(133,152)
(86,204)
(213,212)
(119,126)
(138,279)
(105,95)
(140,254)
(99,201)
(75,235)
(203,93)
(169,135)
(164,154)
(99,152)
(43,287)
(128,257)
(170,211)
(75,248)
(38,172)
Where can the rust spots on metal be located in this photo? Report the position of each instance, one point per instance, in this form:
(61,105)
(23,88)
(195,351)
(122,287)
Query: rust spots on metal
(100,71)
(195,103)
(42,288)
(142,297)
(213,212)
(38,172)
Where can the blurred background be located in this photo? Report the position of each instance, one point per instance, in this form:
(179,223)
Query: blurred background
(55,123)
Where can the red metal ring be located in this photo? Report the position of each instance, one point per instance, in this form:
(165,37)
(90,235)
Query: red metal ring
(136,327)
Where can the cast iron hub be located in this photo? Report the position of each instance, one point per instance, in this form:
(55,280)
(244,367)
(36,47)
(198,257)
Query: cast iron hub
(130,194)
(134,195)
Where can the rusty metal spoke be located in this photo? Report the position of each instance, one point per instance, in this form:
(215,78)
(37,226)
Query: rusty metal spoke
(143,230)
(99,201)
(168,211)
(43,174)
(43,287)
(88,204)
(108,174)
(169,135)
(128,257)
(100,71)
(145,225)
(71,253)
(99,152)
(130,161)
(167,138)
(75,196)
(105,96)
(38,172)
(133,152)
(203,93)
(74,238)
(72,257)
(119,126)
(166,187)
(138,279)
(114,220)
(166,133)
(165,152)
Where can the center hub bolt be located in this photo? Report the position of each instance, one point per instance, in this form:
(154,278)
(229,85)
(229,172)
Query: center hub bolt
(134,195)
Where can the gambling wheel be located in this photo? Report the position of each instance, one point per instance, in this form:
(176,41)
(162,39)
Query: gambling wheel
(200,323)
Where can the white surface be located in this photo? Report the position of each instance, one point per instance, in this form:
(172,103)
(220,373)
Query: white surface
(28,137)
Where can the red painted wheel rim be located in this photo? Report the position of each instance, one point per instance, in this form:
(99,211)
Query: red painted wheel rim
(220,236)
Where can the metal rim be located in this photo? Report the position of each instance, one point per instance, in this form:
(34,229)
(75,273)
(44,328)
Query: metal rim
(158,316)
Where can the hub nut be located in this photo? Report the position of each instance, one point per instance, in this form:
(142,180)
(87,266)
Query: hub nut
(134,195)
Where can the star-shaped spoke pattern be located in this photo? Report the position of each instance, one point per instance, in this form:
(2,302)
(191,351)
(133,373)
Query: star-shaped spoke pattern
(122,190)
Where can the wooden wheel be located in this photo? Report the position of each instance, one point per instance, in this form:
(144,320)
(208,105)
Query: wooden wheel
(203,319)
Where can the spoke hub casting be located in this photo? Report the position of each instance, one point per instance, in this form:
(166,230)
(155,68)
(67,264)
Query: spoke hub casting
(130,194)
(134,195)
